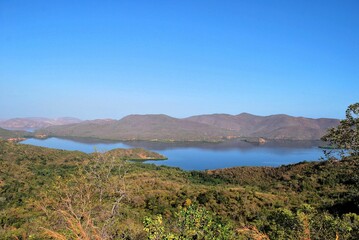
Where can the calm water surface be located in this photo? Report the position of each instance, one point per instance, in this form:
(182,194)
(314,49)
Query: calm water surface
(201,156)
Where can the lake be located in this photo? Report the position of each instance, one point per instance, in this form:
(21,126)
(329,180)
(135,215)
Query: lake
(201,156)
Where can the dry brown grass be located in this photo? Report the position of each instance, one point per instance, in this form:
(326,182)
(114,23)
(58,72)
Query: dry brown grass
(84,230)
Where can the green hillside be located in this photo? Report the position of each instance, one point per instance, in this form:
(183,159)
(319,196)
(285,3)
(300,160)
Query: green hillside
(6,134)
(135,154)
(56,194)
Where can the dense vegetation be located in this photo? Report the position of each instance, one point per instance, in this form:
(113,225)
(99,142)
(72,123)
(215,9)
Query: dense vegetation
(345,137)
(134,154)
(56,194)
(6,134)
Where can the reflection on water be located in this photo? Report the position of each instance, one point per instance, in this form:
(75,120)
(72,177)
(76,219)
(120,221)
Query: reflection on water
(220,146)
(31,130)
(200,156)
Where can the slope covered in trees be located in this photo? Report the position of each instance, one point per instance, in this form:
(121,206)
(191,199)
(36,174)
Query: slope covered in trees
(56,194)
(6,134)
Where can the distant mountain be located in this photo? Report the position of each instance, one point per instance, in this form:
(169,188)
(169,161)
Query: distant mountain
(215,127)
(142,127)
(35,123)
(271,127)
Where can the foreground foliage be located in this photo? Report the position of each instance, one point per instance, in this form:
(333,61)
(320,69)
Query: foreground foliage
(55,194)
(345,137)
(191,223)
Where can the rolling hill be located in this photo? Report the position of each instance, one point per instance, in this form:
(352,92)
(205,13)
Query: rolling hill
(270,127)
(35,122)
(142,127)
(41,187)
(215,127)
(6,134)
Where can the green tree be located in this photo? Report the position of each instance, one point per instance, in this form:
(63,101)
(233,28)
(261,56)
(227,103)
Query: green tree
(283,224)
(191,222)
(345,137)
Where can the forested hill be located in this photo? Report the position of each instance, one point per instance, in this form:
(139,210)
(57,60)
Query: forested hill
(56,194)
(216,127)
(8,134)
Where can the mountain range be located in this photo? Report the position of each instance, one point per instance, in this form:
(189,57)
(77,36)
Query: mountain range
(278,126)
(141,127)
(213,127)
(35,122)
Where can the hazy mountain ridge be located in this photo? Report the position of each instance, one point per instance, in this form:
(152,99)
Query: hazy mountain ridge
(35,122)
(156,127)
(278,126)
(214,127)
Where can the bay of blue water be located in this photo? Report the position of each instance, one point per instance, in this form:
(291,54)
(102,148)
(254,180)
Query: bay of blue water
(201,156)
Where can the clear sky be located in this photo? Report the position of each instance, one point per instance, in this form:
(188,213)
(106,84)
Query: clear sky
(107,59)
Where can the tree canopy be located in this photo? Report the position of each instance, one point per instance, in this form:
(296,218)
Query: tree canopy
(345,137)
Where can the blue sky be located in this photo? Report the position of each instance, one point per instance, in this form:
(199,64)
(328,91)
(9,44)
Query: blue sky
(108,59)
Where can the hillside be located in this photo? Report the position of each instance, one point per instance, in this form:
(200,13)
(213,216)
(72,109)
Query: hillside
(270,127)
(134,154)
(214,128)
(48,192)
(7,134)
(35,123)
(142,127)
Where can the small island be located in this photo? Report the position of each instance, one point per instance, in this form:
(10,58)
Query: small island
(135,154)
